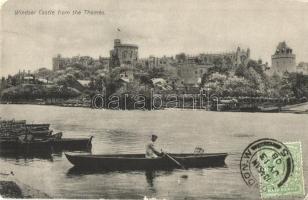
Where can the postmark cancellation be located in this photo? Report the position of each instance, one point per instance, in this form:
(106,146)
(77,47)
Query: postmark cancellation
(275,167)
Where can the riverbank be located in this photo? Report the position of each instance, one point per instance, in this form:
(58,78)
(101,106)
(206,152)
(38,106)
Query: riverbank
(11,187)
(301,108)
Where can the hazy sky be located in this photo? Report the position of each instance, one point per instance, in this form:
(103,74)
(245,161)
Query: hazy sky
(158,27)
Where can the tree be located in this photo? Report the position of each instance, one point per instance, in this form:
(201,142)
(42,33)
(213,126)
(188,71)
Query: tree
(43,72)
(273,85)
(256,80)
(69,80)
(237,86)
(215,83)
(241,71)
(256,66)
(294,84)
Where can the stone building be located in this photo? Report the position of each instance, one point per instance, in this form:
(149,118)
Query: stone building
(152,61)
(191,73)
(123,54)
(283,60)
(59,63)
(192,68)
(233,58)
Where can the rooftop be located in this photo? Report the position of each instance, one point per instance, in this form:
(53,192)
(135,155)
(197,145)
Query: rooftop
(283,48)
(283,45)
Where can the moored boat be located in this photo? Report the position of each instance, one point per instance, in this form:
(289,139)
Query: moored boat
(18,136)
(72,143)
(47,144)
(23,146)
(139,162)
(269,108)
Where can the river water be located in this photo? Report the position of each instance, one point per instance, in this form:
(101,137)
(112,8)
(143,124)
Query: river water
(128,132)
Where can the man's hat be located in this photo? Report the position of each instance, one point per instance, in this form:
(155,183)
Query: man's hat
(154,136)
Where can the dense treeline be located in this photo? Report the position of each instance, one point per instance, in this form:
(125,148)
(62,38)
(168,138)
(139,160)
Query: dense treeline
(252,81)
(26,92)
(223,79)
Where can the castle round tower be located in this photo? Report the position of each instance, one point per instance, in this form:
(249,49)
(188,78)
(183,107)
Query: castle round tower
(124,53)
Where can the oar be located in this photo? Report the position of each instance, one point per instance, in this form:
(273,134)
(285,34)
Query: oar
(174,160)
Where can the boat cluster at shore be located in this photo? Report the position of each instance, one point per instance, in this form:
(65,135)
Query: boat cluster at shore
(18,136)
(20,130)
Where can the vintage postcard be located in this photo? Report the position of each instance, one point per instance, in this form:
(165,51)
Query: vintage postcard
(154,99)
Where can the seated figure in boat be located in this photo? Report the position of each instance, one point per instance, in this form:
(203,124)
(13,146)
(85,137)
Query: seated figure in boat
(151,151)
(25,138)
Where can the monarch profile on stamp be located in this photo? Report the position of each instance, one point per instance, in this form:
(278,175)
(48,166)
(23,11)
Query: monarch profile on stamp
(274,167)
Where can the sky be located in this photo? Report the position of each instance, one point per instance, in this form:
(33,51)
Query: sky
(158,27)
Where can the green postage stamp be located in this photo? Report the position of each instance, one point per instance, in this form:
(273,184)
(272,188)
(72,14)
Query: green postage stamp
(275,167)
(294,185)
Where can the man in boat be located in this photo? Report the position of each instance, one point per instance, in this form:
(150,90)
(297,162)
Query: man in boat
(151,152)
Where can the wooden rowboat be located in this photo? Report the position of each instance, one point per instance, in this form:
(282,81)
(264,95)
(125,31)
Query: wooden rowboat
(139,162)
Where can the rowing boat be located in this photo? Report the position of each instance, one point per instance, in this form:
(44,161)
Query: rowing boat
(138,161)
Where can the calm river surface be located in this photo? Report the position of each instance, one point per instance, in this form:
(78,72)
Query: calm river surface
(128,132)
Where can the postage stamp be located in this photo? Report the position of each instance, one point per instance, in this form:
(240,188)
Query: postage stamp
(294,186)
(274,167)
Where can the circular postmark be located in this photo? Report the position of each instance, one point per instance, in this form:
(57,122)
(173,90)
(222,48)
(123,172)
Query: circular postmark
(267,162)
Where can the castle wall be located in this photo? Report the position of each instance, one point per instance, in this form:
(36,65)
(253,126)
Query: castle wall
(281,64)
(126,54)
(192,73)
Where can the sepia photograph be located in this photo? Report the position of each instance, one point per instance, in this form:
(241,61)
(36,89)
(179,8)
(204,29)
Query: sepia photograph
(154,99)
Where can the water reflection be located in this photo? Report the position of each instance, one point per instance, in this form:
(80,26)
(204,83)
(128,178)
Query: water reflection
(151,175)
(45,154)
